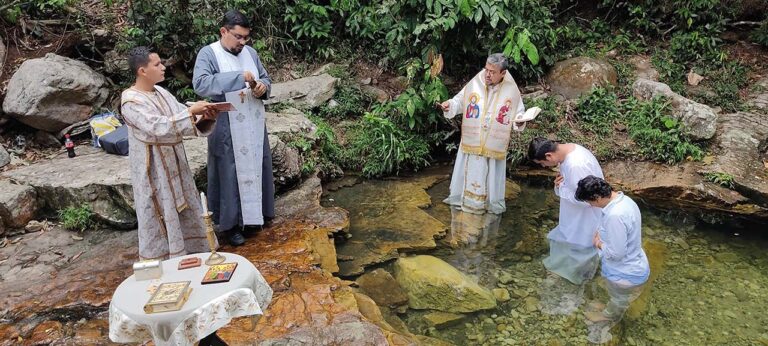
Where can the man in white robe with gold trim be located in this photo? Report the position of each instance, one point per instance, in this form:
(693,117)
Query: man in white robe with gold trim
(488,103)
(167,203)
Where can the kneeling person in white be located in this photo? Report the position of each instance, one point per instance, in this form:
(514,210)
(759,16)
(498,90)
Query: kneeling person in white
(624,265)
(571,253)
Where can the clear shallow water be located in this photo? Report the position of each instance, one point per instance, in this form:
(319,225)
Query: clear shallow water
(709,284)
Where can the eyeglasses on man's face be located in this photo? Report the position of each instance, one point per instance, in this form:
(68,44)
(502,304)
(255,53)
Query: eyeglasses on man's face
(239,37)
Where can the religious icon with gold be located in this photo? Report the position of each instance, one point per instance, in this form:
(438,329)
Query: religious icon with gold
(219,273)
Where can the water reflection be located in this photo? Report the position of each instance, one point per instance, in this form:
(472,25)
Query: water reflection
(708,286)
(473,240)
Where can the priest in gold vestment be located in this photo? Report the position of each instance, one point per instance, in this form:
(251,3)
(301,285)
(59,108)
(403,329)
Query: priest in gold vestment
(487,105)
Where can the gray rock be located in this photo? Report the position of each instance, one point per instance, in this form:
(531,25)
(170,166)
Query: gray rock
(115,62)
(18,204)
(54,92)
(378,93)
(5,158)
(322,69)
(290,122)
(680,187)
(759,99)
(286,163)
(699,120)
(93,177)
(577,76)
(304,92)
(740,145)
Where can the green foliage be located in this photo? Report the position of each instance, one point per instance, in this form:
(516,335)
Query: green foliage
(77,218)
(12,10)
(402,29)
(550,121)
(596,38)
(352,102)
(724,81)
(656,133)
(598,111)
(377,147)
(760,34)
(722,179)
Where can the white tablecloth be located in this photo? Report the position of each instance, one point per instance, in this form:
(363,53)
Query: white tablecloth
(209,307)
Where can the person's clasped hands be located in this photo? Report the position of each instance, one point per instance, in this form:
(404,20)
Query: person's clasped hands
(257,87)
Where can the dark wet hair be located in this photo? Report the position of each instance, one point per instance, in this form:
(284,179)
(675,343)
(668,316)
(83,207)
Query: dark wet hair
(138,57)
(591,188)
(233,18)
(539,147)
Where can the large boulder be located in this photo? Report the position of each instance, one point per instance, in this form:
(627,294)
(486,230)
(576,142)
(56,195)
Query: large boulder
(101,180)
(577,76)
(699,119)
(304,92)
(54,92)
(18,204)
(434,284)
(681,188)
(741,147)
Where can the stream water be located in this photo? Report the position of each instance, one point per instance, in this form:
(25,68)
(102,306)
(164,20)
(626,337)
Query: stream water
(709,284)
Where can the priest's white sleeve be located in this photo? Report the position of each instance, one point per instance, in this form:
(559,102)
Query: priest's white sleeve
(455,105)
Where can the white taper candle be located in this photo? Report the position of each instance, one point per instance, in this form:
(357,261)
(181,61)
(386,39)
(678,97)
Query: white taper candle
(205,203)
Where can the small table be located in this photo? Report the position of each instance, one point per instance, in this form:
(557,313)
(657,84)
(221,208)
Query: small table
(208,308)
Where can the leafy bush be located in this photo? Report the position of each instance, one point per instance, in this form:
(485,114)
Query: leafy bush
(376,146)
(77,218)
(760,34)
(352,102)
(12,10)
(722,179)
(659,136)
(599,110)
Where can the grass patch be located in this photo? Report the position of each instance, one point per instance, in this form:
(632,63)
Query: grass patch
(77,218)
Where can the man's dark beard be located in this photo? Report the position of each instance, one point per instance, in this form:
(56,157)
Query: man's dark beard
(233,51)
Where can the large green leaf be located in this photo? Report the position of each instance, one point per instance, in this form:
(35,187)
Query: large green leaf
(531,52)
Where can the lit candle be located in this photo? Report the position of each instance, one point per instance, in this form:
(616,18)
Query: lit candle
(205,203)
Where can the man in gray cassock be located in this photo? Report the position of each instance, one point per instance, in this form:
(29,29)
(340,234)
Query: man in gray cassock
(240,182)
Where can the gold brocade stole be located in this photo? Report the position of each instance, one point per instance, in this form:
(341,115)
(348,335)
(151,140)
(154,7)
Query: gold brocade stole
(488,133)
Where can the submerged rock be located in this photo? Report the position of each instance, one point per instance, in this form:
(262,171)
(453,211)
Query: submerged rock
(440,320)
(386,218)
(434,284)
(382,288)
